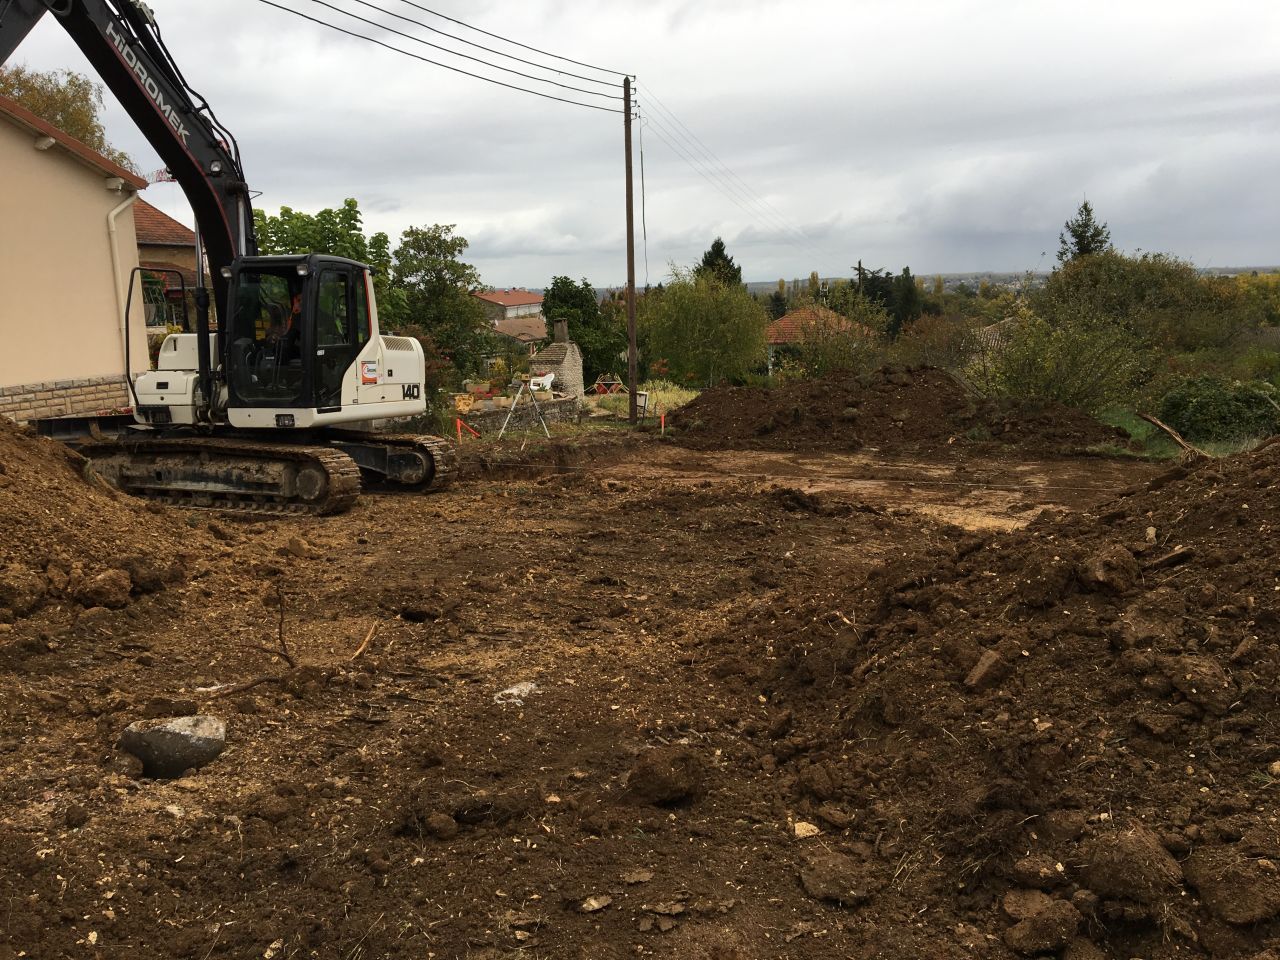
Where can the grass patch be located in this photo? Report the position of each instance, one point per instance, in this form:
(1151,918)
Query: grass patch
(663,395)
(1155,444)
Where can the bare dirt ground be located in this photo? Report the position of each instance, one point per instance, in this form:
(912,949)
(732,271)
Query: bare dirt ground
(650,798)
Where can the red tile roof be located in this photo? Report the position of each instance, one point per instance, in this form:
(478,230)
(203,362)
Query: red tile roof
(790,327)
(23,117)
(154,227)
(524,329)
(510,298)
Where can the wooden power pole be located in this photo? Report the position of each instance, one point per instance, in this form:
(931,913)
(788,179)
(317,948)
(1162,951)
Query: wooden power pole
(632,357)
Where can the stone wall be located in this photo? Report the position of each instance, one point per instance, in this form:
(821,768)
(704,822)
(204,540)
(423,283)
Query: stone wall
(61,398)
(564,410)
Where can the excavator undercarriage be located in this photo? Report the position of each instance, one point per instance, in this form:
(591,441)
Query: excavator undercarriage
(264,477)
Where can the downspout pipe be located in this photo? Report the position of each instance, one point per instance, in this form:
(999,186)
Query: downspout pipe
(121,293)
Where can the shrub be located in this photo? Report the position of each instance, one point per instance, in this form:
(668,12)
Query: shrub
(937,341)
(1085,365)
(1211,408)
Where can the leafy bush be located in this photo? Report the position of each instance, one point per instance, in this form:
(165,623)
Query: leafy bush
(830,342)
(1210,408)
(1157,298)
(937,341)
(1084,365)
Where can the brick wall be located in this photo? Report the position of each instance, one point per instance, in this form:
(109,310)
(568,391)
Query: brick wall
(60,398)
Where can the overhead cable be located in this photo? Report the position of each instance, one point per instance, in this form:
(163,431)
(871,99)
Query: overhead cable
(437,63)
(514,43)
(454,53)
(724,187)
(696,145)
(481,46)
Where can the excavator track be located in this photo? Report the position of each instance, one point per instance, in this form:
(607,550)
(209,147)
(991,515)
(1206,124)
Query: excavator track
(438,453)
(241,476)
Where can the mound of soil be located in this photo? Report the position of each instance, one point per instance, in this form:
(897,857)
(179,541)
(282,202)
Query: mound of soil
(1058,739)
(893,408)
(68,537)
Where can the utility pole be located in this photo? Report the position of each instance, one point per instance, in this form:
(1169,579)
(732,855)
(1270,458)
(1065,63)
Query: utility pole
(631,255)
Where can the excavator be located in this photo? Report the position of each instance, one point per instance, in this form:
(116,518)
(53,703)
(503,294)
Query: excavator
(262,407)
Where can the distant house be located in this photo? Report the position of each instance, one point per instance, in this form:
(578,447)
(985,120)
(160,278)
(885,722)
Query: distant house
(789,329)
(528,331)
(168,248)
(509,304)
(67,252)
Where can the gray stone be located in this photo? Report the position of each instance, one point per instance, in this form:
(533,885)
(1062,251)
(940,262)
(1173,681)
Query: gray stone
(168,747)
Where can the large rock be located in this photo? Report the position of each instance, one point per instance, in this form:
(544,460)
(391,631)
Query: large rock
(1130,864)
(666,776)
(1236,888)
(21,590)
(109,589)
(167,747)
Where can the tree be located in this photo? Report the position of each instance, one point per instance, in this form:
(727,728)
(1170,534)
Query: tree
(338,232)
(68,100)
(719,264)
(1084,236)
(907,303)
(436,286)
(706,330)
(776,305)
(598,334)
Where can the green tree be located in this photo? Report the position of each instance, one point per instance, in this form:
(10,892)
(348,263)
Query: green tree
(717,262)
(340,233)
(436,286)
(907,303)
(68,100)
(598,333)
(1161,301)
(1084,235)
(705,330)
(776,305)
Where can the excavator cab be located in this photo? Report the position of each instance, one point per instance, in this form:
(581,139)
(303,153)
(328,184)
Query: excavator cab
(301,347)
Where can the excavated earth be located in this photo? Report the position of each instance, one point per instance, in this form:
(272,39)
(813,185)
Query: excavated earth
(643,700)
(923,409)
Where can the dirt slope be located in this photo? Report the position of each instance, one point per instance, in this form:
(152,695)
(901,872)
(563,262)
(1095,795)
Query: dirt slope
(68,538)
(1073,725)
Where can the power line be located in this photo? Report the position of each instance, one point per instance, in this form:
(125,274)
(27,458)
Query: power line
(644,221)
(764,215)
(696,144)
(727,189)
(515,43)
(481,46)
(415,56)
(454,53)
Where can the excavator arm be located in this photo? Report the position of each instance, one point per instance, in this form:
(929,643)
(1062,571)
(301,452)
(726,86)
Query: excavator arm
(121,40)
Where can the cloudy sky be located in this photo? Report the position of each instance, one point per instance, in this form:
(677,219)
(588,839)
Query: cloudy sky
(947,135)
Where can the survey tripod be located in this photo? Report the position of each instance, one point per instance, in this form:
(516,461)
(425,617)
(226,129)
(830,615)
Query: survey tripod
(515,402)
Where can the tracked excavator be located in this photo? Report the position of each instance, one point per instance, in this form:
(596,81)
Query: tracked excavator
(267,405)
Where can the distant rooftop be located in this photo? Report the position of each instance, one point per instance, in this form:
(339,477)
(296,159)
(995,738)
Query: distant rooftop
(513,297)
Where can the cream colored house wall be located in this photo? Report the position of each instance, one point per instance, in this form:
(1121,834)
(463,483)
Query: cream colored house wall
(60,300)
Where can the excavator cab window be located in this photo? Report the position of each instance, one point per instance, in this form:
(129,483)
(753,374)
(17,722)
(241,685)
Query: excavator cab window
(267,338)
(337,332)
